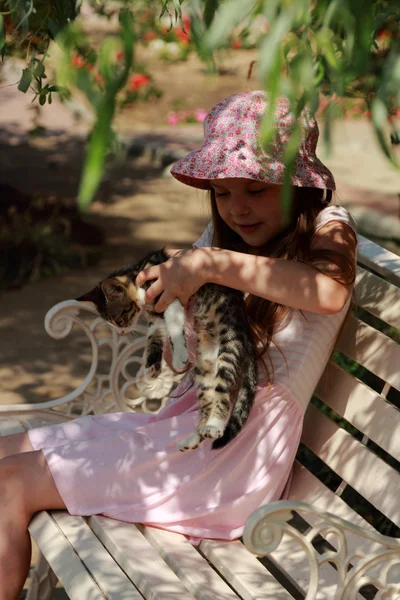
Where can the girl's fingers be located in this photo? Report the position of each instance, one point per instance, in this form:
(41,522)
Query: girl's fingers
(146,274)
(164,302)
(153,291)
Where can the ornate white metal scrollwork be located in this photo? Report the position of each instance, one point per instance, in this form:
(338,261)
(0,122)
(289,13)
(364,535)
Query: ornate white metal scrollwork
(115,390)
(355,569)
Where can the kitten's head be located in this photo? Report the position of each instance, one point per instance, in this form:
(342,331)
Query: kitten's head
(118,300)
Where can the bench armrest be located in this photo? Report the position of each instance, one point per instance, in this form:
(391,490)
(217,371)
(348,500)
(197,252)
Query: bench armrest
(110,385)
(361,556)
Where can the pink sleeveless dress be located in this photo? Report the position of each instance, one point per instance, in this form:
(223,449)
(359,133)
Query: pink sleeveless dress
(127,465)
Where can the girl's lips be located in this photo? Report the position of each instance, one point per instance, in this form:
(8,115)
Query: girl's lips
(248,228)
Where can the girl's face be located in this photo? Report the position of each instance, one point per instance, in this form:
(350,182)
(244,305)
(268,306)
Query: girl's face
(251,208)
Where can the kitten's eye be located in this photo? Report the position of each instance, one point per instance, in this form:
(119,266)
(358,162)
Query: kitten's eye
(126,312)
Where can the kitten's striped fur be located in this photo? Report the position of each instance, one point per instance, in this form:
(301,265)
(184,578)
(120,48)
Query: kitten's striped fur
(226,362)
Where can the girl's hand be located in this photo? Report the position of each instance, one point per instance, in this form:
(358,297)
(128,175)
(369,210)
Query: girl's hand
(179,277)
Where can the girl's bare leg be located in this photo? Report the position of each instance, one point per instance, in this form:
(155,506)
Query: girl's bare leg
(14,444)
(26,486)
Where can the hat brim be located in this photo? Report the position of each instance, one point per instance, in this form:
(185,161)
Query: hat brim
(199,167)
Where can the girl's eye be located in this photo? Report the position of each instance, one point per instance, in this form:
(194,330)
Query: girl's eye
(256,191)
(221,194)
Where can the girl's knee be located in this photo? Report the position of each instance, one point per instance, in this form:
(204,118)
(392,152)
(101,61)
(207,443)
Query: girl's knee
(15,443)
(26,481)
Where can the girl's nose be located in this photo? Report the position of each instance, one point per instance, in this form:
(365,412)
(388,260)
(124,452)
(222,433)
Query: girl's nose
(239,205)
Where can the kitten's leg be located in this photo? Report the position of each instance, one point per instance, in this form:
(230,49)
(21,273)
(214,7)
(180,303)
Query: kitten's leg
(154,347)
(174,317)
(217,410)
(209,394)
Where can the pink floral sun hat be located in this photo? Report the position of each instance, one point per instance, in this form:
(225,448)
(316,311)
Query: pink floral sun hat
(232,149)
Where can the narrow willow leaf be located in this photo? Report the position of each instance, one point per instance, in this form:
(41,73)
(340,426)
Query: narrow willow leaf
(102,135)
(379,115)
(229,14)
(198,35)
(271,43)
(2,32)
(178,9)
(210,8)
(96,155)
(107,54)
(324,39)
(290,157)
(25,81)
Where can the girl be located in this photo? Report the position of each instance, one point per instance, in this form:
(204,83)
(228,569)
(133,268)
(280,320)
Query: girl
(298,275)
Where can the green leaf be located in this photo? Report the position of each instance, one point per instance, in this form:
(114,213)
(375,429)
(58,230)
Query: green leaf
(210,8)
(25,81)
(229,14)
(178,9)
(2,32)
(39,70)
(96,155)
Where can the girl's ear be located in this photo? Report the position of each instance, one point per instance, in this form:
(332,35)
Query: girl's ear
(112,288)
(92,296)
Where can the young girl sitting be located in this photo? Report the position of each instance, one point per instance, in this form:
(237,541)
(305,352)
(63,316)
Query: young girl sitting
(298,275)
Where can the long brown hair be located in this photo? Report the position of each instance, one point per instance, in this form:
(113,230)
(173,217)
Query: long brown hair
(293,243)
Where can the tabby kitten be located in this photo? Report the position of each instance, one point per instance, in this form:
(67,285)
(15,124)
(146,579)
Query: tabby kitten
(226,361)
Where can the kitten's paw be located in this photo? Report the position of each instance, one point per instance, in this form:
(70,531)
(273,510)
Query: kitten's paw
(214,429)
(180,359)
(152,371)
(190,443)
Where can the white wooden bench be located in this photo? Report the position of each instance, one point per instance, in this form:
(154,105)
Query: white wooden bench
(318,542)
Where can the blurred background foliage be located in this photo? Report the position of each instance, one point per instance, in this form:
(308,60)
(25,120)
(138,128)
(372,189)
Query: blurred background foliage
(324,54)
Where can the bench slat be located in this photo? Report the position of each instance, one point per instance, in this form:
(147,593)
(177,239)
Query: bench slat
(378,259)
(372,349)
(102,567)
(305,487)
(139,560)
(375,480)
(63,560)
(191,568)
(243,571)
(362,407)
(378,297)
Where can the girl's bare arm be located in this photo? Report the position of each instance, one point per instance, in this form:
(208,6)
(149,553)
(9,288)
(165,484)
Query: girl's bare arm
(288,282)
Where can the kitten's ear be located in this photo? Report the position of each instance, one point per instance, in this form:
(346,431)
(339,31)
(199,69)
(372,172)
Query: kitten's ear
(112,288)
(92,296)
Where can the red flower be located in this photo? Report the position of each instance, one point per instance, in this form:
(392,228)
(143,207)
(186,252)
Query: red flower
(236,44)
(150,35)
(384,34)
(182,35)
(99,78)
(120,55)
(139,80)
(78,61)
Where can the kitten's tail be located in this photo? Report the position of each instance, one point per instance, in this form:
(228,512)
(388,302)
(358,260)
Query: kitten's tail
(242,407)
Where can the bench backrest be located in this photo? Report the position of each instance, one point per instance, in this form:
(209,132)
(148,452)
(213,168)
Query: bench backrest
(351,441)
